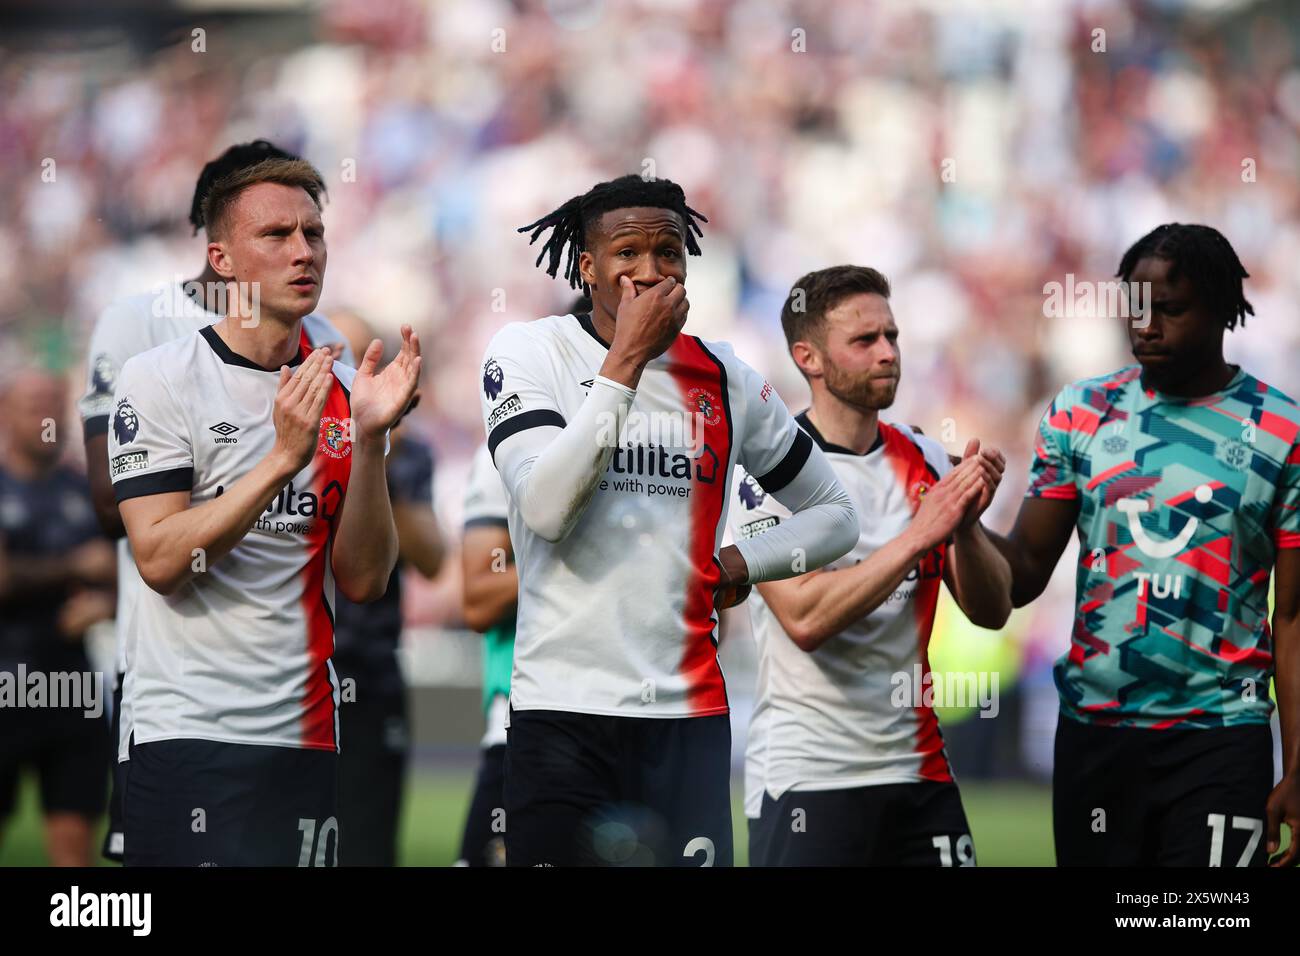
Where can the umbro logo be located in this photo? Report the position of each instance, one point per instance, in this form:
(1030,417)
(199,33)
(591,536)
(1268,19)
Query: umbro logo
(588,383)
(224,430)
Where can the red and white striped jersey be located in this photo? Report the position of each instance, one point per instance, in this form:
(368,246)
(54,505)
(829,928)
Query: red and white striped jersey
(832,719)
(617,618)
(241,653)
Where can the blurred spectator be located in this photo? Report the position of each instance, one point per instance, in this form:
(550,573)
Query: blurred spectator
(57,574)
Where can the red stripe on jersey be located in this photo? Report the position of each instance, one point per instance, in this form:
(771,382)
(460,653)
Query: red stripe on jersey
(1084,420)
(1283,428)
(318,700)
(914,474)
(702,381)
(1111,473)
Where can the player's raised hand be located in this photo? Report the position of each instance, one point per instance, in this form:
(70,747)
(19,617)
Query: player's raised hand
(945,504)
(1284,807)
(991,464)
(379,401)
(647,324)
(298,407)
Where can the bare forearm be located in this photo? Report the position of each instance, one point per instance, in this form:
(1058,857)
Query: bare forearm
(101,487)
(490,596)
(365,545)
(174,549)
(419,540)
(982,577)
(1286,683)
(827,603)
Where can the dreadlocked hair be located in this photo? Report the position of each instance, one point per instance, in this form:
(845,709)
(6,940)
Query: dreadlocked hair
(1206,257)
(237,157)
(569,224)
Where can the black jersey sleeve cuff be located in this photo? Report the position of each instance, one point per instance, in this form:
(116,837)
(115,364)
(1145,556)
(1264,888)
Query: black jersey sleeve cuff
(162,482)
(522,422)
(93,427)
(790,465)
(486,521)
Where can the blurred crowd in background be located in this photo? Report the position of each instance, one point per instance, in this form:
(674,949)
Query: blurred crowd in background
(971,152)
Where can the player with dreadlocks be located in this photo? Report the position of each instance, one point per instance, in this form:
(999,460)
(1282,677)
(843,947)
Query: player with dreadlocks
(1182,476)
(615,435)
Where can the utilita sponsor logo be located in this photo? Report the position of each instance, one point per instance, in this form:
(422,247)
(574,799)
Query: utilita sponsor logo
(654,461)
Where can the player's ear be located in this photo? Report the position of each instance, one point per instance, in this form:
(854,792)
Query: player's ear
(587,268)
(219,259)
(806,359)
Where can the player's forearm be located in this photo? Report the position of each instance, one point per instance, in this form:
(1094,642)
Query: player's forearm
(365,545)
(419,540)
(553,473)
(823,526)
(826,604)
(1286,686)
(1026,582)
(171,551)
(101,487)
(489,596)
(621,368)
(982,577)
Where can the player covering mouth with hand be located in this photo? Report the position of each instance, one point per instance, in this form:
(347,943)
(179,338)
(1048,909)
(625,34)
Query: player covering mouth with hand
(619,743)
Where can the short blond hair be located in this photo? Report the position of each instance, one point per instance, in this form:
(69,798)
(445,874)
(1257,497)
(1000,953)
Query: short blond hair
(288,172)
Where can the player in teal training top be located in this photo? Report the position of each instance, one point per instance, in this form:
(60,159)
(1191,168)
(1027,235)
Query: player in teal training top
(1181,475)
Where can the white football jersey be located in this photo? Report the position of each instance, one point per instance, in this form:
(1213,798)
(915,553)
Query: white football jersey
(241,652)
(124,329)
(830,719)
(617,618)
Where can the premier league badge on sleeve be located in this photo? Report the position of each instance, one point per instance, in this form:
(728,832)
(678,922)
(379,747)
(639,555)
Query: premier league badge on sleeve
(493,380)
(102,376)
(126,424)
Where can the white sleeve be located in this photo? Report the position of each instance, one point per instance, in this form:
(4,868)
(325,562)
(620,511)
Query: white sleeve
(752,510)
(550,467)
(485,496)
(149,441)
(110,346)
(788,466)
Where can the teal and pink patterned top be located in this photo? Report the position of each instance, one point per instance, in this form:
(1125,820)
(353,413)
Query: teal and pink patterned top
(1183,504)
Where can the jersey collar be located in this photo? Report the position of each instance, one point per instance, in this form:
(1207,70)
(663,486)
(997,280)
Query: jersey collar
(230,357)
(584,319)
(806,424)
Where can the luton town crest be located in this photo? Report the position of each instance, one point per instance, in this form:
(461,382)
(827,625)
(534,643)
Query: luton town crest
(334,438)
(706,403)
